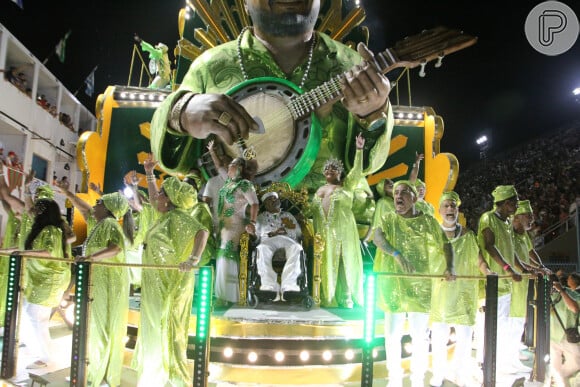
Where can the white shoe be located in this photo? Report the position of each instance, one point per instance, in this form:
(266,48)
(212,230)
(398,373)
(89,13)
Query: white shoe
(436,381)
(518,365)
(36,365)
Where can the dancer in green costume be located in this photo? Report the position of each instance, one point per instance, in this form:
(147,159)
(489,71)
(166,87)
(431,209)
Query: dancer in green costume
(333,218)
(175,238)
(454,303)
(106,241)
(409,241)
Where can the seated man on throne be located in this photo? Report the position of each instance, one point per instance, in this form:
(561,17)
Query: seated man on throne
(277,230)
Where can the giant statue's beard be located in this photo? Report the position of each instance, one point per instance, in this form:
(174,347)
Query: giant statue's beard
(285,24)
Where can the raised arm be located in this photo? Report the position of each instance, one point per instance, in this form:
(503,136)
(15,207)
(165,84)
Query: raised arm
(149,166)
(416,165)
(83,207)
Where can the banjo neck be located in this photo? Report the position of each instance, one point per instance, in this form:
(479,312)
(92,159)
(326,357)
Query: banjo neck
(413,51)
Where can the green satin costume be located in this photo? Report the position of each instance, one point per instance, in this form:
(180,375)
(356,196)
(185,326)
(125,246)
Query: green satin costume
(503,242)
(166,297)
(455,302)
(420,240)
(217,70)
(339,232)
(110,305)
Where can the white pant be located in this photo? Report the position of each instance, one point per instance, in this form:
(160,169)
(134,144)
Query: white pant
(227,283)
(35,332)
(461,365)
(291,271)
(419,331)
(517,326)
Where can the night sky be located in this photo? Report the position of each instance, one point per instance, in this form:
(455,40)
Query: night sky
(500,86)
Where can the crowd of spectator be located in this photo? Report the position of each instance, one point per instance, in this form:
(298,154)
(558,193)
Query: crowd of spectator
(544,171)
(18,79)
(15,170)
(43,103)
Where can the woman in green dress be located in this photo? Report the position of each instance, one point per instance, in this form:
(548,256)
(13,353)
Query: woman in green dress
(175,238)
(44,281)
(106,242)
(342,267)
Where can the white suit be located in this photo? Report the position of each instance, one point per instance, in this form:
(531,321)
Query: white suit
(266,223)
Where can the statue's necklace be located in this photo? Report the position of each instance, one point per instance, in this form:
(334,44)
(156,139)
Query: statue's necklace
(308,63)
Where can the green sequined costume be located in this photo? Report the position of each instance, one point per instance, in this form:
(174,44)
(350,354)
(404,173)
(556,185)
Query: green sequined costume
(166,297)
(110,305)
(11,234)
(45,281)
(338,229)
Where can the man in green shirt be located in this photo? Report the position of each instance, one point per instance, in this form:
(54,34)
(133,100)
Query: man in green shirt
(495,238)
(281,44)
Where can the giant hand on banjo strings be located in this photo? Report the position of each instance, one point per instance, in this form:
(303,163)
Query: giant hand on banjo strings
(365,88)
(217,114)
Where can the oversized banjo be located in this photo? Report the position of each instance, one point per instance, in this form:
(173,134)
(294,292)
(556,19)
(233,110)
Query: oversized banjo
(287,143)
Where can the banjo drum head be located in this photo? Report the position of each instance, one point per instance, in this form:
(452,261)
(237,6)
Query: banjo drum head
(285,147)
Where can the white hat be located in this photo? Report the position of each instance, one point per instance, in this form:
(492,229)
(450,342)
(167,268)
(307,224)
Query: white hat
(269,194)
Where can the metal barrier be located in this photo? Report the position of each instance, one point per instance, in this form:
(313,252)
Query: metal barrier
(82,279)
(202,340)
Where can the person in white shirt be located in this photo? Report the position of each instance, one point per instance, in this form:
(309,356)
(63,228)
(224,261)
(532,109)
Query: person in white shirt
(277,229)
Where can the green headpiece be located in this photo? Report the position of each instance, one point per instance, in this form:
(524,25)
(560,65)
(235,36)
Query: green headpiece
(44,192)
(116,203)
(524,207)
(196,178)
(503,192)
(450,195)
(419,183)
(408,184)
(381,187)
(181,194)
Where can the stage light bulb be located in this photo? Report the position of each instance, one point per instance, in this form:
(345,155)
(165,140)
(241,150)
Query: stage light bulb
(576,91)
(228,352)
(401,115)
(349,354)
(410,115)
(252,357)
(279,356)
(326,355)
(304,355)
